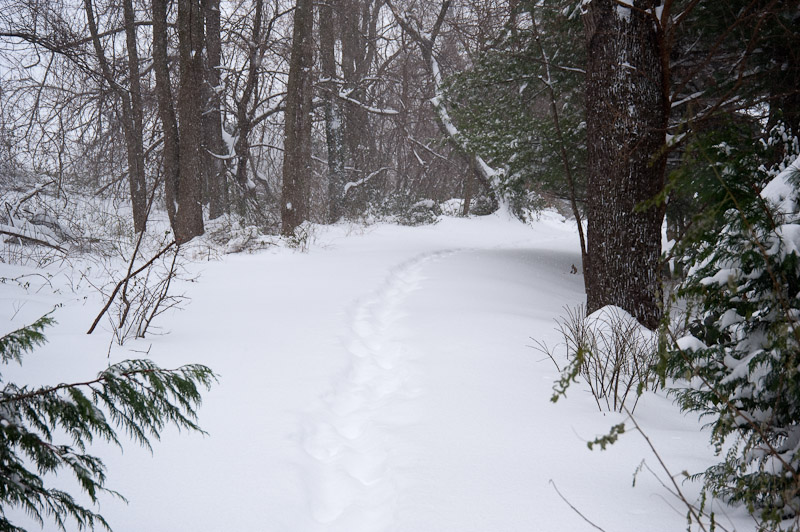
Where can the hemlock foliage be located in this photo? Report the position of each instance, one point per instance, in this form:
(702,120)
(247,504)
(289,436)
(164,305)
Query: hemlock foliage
(503,103)
(134,396)
(740,361)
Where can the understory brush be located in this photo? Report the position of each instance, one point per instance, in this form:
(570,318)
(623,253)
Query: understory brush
(610,351)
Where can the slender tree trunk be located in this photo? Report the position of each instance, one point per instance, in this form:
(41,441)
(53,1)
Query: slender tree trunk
(189,217)
(626,124)
(131,110)
(353,52)
(213,166)
(136,173)
(166,110)
(426,41)
(554,114)
(297,137)
(333,114)
(468,179)
(243,113)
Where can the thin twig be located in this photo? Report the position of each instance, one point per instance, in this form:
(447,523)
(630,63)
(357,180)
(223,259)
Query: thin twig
(124,281)
(573,507)
(694,512)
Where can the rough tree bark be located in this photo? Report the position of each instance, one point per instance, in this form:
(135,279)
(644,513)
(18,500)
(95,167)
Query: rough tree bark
(136,172)
(213,144)
(131,97)
(166,109)
(297,133)
(189,217)
(627,111)
(354,57)
(334,137)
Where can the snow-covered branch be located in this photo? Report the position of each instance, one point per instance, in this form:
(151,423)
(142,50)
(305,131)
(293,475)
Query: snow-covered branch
(345,95)
(491,175)
(36,237)
(354,184)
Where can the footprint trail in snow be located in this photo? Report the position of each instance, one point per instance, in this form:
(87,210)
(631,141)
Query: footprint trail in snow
(352,486)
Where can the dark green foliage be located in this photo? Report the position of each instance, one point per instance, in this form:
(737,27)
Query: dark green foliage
(742,54)
(503,104)
(740,361)
(14,344)
(134,396)
(720,170)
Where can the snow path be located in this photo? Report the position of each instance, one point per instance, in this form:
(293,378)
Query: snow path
(351,441)
(381,382)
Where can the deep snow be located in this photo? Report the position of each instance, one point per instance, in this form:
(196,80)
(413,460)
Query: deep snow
(381,381)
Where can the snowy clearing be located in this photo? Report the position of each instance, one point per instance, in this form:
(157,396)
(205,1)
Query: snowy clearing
(382,381)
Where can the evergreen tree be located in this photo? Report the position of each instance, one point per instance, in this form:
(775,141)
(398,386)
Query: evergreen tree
(135,396)
(734,68)
(522,102)
(741,356)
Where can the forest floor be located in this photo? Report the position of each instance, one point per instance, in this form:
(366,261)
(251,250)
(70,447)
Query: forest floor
(382,380)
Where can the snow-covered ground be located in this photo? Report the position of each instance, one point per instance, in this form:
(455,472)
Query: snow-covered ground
(381,381)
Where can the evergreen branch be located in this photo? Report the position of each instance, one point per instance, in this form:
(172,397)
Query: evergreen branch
(13,344)
(105,377)
(139,397)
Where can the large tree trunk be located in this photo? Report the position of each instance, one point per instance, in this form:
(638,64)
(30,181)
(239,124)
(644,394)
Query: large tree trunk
(297,137)
(166,110)
(357,31)
(334,137)
(785,87)
(626,123)
(353,55)
(189,218)
(214,146)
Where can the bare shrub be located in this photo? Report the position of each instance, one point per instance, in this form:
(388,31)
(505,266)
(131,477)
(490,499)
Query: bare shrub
(143,293)
(610,350)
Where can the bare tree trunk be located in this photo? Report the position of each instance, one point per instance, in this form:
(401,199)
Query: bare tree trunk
(626,124)
(468,179)
(356,118)
(357,30)
(166,109)
(136,174)
(333,114)
(297,137)
(189,217)
(131,109)
(426,41)
(213,165)
(243,112)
